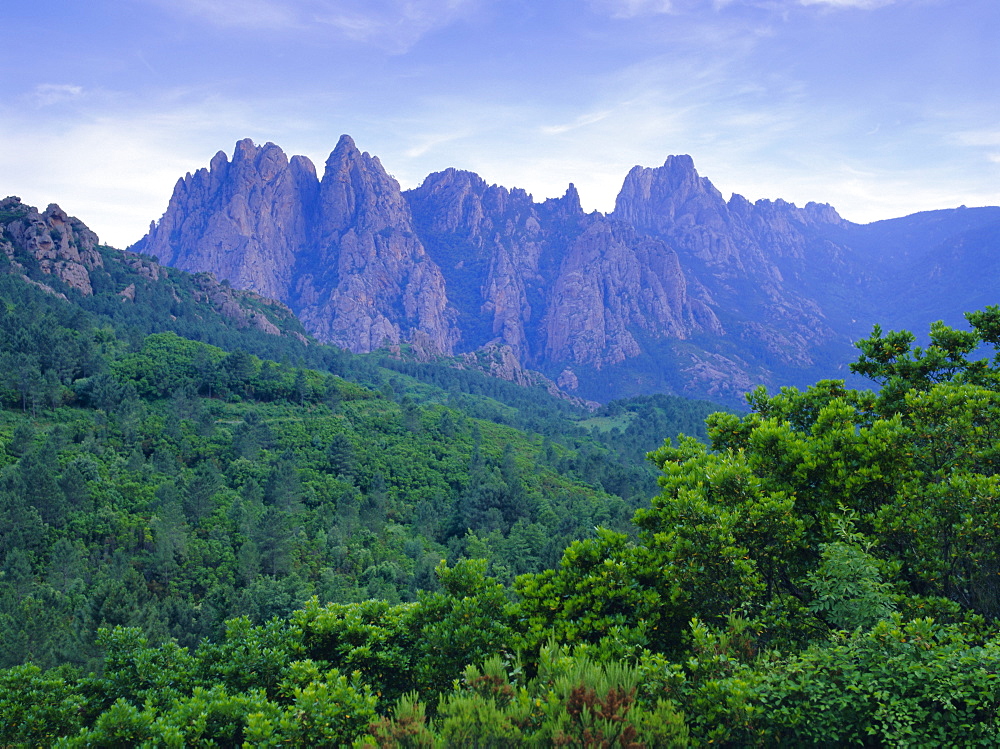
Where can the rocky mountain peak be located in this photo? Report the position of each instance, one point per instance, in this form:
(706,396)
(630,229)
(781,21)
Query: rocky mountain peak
(242,220)
(569,204)
(674,203)
(218,163)
(344,144)
(363,279)
(823,213)
(655,197)
(675,272)
(571,193)
(451,199)
(356,187)
(303,167)
(245,150)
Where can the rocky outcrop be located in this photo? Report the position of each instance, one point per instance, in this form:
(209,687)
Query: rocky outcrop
(764,266)
(500,361)
(61,245)
(241,306)
(549,281)
(733,239)
(58,253)
(611,286)
(488,242)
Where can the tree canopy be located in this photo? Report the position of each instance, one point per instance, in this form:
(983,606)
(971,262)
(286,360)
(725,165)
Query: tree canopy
(822,572)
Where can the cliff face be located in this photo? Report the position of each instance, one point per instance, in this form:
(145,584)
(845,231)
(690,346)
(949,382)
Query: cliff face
(550,282)
(676,289)
(764,266)
(365,280)
(243,220)
(342,252)
(488,242)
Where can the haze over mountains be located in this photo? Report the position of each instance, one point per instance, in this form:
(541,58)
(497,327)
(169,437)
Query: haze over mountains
(676,290)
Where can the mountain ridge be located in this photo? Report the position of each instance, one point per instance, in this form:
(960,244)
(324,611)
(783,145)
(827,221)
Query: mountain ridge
(721,292)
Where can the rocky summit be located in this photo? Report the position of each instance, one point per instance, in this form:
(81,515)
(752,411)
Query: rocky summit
(676,290)
(341,252)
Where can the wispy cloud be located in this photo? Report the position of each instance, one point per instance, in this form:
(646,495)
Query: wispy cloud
(47,94)
(988,138)
(626,9)
(394,25)
(581,121)
(113,164)
(632,8)
(425,143)
(859,4)
(252,14)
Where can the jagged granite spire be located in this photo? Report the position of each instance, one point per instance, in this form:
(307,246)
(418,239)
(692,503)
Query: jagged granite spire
(244,221)
(366,280)
(341,253)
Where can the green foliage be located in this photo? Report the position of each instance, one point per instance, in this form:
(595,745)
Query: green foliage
(213,717)
(847,587)
(121,724)
(892,361)
(233,550)
(371,637)
(464,623)
(326,710)
(249,657)
(176,485)
(399,648)
(135,672)
(901,683)
(590,596)
(37,707)
(571,702)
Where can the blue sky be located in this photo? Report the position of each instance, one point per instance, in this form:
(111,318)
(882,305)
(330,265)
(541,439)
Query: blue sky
(879,107)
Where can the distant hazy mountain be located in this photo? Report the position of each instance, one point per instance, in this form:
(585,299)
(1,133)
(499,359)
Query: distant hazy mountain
(676,290)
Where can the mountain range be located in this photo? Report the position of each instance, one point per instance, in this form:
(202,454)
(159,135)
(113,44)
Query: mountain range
(675,290)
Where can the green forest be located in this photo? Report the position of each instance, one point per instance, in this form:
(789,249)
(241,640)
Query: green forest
(211,536)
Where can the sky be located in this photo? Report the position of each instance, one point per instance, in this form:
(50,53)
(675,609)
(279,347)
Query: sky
(879,107)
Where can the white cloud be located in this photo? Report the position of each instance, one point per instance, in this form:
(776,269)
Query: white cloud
(860,4)
(581,121)
(114,168)
(394,25)
(978,138)
(632,8)
(430,141)
(47,94)
(260,14)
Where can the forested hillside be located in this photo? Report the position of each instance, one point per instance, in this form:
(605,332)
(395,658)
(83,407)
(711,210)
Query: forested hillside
(152,479)
(168,484)
(822,573)
(214,531)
